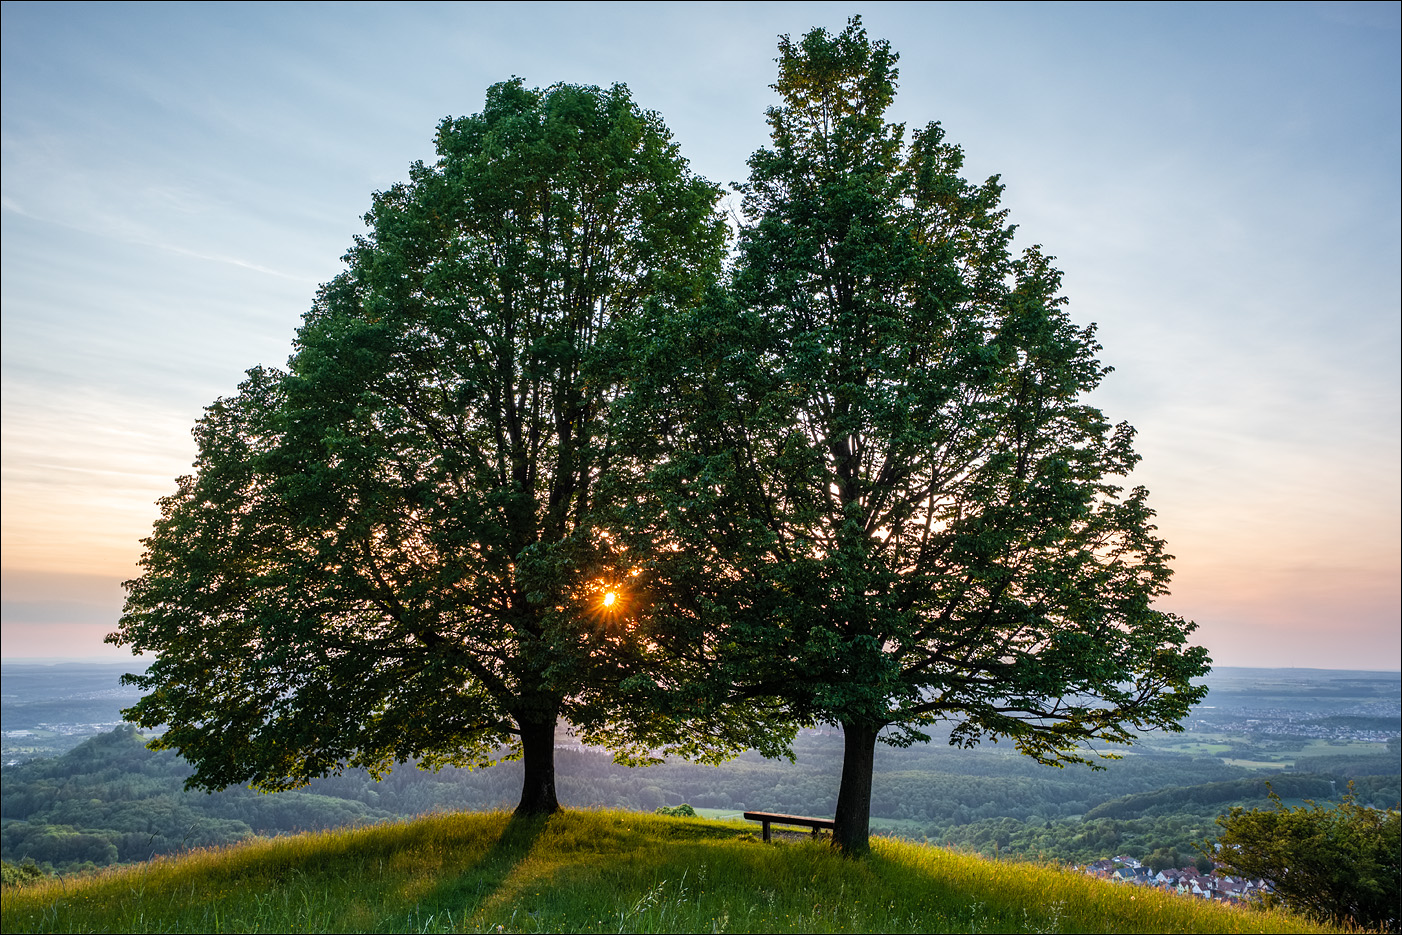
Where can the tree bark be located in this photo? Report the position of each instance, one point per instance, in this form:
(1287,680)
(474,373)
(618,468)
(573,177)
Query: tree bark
(538,758)
(853,818)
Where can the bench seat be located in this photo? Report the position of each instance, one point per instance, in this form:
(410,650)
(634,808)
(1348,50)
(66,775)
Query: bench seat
(776,818)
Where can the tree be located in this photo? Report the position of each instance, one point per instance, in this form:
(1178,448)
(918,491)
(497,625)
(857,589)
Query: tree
(1164,858)
(389,551)
(1340,863)
(876,492)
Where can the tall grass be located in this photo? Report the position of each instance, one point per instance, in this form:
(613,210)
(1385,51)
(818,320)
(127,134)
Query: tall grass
(604,871)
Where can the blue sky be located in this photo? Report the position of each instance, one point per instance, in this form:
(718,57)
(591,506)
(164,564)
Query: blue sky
(1219,182)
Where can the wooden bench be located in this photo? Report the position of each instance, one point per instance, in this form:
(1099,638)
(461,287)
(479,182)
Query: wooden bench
(773,818)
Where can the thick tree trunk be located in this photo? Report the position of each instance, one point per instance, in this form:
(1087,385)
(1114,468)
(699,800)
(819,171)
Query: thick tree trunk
(538,758)
(853,818)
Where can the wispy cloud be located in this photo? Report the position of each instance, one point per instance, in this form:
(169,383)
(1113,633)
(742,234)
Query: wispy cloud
(128,230)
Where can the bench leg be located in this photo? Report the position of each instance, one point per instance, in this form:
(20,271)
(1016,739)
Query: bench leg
(766,830)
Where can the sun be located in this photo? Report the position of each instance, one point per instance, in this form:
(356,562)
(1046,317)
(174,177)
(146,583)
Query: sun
(608,601)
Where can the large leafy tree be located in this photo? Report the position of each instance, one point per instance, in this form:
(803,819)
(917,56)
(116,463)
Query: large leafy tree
(877,492)
(389,551)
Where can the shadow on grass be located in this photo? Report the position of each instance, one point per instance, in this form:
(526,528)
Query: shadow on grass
(464,894)
(946,903)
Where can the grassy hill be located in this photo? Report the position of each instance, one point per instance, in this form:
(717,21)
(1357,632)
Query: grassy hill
(597,871)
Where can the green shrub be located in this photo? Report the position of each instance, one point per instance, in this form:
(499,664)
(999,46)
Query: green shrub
(26,871)
(1340,863)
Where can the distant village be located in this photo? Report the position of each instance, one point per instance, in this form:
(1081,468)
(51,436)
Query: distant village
(1285,722)
(1186,881)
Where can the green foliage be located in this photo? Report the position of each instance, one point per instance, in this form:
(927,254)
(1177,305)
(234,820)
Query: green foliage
(1132,806)
(1342,863)
(877,493)
(598,871)
(26,871)
(389,552)
(1171,837)
(1376,774)
(680,811)
(1165,858)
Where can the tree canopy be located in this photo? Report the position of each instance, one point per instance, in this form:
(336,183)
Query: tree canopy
(877,487)
(536,456)
(389,550)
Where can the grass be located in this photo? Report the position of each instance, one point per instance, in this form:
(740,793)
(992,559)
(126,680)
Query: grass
(597,871)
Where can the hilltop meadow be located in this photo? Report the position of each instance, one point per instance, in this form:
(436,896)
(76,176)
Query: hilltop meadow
(598,871)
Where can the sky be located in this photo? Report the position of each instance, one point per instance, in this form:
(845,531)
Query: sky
(1219,183)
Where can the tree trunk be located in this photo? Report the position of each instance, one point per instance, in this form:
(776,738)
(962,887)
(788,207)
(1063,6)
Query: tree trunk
(538,758)
(853,818)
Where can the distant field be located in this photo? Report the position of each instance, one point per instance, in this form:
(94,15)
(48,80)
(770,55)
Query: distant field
(721,814)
